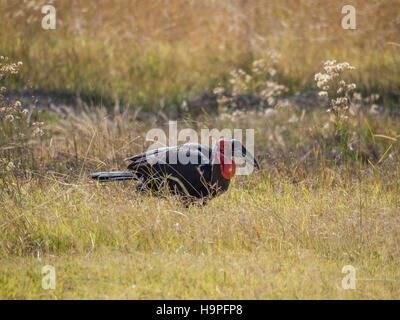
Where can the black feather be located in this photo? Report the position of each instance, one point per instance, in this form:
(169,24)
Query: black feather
(113,176)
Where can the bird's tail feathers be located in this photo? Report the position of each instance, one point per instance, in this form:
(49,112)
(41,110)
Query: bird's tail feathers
(113,176)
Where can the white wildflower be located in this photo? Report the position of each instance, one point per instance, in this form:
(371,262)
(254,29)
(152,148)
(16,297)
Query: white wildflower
(323,94)
(351,86)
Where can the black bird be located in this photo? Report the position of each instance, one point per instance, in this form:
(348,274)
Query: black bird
(191,170)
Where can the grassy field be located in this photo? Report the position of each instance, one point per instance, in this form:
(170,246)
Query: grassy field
(270,241)
(327,194)
(158,55)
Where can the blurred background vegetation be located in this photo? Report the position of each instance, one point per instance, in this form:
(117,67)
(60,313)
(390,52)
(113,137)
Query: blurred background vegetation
(158,54)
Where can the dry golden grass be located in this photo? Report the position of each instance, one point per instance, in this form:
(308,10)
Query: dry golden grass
(283,232)
(161,53)
(326,196)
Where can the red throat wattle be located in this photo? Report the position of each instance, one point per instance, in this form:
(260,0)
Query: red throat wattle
(227,169)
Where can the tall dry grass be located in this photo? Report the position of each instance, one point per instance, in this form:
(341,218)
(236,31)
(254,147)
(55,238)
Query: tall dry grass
(160,53)
(283,232)
(325,197)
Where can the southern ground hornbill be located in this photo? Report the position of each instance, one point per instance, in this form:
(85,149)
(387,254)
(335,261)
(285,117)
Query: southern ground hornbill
(191,170)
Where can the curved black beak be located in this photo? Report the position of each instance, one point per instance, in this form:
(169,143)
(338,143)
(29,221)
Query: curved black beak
(240,150)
